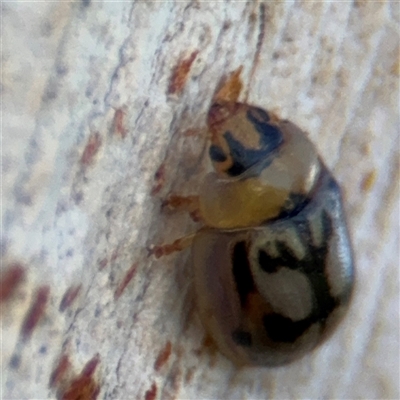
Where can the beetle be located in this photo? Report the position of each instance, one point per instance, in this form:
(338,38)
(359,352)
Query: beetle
(273,264)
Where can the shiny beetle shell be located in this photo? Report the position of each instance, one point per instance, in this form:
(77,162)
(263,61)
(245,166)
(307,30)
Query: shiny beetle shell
(273,266)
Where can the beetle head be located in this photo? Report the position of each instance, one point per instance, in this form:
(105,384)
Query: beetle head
(241,136)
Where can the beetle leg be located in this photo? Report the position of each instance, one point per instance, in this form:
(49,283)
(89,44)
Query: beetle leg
(188,204)
(169,248)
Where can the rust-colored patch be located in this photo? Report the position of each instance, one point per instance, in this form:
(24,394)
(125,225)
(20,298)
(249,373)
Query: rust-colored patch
(230,87)
(10,280)
(36,311)
(69,297)
(91,149)
(151,394)
(102,264)
(159,178)
(163,356)
(60,371)
(180,74)
(368,181)
(118,123)
(127,278)
(84,387)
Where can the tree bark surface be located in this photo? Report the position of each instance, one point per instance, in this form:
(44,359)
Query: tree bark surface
(97,97)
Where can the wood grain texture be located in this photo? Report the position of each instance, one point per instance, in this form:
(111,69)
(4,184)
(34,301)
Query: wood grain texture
(96,96)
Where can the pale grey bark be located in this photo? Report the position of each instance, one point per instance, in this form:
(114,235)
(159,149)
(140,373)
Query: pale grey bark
(74,217)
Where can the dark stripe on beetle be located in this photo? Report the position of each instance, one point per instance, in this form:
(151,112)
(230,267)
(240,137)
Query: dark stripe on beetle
(236,169)
(241,272)
(270,135)
(282,329)
(267,263)
(312,265)
(216,154)
(243,158)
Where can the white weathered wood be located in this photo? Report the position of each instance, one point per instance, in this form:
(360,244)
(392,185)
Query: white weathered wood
(69,219)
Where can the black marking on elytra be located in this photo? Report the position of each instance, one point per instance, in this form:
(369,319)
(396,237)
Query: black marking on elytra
(241,272)
(244,158)
(268,263)
(283,329)
(236,169)
(333,186)
(312,265)
(242,338)
(287,258)
(270,135)
(217,154)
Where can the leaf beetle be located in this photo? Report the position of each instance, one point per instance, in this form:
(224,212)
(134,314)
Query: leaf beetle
(273,264)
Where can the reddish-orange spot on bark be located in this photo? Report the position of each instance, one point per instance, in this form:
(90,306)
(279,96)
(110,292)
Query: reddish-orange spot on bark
(84,386)
(180,74)
(118,123)
(151,393)
(36,311)
(127,278)
(230,87)
(91,149)
(159,178)
(59,372)
(10,279)
(91,366)
(69,297)
(163,356)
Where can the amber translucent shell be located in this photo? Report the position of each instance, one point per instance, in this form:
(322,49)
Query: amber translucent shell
(273,267)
